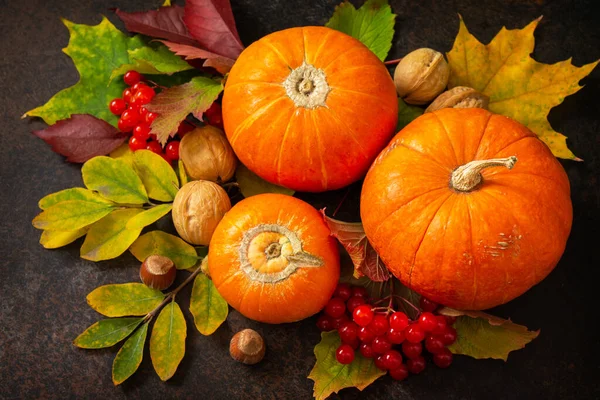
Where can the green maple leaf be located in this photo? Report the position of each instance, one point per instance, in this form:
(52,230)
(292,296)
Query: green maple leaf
(372,24)
(330,376)
(96,51)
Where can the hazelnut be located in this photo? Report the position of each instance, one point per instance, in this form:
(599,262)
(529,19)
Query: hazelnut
(197,209)
(207,155)
(459,97)
(158,272)
(421,75)
(247,347)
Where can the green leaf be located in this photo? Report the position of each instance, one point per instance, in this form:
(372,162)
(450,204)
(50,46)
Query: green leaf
(70,194)
(372,24)
(71,215)
(251,184)
(109,237)
(148,217)
(330,376)
(130,356)
(152,60)
(174,104)
(124,299)
(167,342)
(406,114)
(481,335)
(158,176)
(114,179)
(180,252)
(207,306)
(106,333)
(183,177)
(54,239)
(96,52)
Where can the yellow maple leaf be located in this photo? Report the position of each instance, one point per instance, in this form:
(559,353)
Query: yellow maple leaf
(517,85)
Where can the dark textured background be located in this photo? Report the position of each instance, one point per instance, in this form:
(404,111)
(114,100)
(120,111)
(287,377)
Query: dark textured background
(42,306)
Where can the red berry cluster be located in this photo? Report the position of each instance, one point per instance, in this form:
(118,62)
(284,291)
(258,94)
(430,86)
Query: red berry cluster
(135,118)
(388,336)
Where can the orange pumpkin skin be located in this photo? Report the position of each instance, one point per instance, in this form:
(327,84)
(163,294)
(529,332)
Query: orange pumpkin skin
(273,259)
(467,250)
(333,136)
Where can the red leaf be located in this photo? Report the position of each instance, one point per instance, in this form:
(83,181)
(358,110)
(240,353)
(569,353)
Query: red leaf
(364,257)
(212,24)
(82,137)
(165,23)
(220,63)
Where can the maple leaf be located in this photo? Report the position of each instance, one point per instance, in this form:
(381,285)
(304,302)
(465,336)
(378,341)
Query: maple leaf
(372,24)
(152,60)
(165,23)
(212,24)
(481,335)
(96,51)
(352,236)
(330,376)
(82,137)
(517,85)
(174,104)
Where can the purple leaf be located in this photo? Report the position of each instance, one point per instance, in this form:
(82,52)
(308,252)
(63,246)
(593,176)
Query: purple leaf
(165,23)
(212,24)
(82,137)
(220,63)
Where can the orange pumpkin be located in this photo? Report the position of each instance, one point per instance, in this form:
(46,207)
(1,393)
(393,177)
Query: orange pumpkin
(272,258)
(467,208)
(309,108)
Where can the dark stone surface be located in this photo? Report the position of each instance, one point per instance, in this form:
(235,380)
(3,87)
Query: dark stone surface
(43,308)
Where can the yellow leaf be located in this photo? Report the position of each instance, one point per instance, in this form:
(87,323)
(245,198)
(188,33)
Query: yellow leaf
(124,153)
(109,237)
(207,306)
(149,216)
(158,242)
(167,342)
(119,300)
(158,176)
(517,85)
(54,239)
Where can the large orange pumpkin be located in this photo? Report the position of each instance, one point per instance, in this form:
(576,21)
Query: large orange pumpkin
(272,258)
(309,108)
(467,208)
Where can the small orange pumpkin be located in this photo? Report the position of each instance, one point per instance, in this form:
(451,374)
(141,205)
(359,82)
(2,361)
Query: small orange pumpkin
(451,217)
(309,108)
(272,258)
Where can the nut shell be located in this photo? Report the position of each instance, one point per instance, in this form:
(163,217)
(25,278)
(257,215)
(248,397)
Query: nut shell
(197,209)
(247,346)
(158,272)
(459,97)
(421,75)
(207,155)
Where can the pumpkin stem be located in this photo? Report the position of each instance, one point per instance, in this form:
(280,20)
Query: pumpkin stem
(467,177)
(307,86)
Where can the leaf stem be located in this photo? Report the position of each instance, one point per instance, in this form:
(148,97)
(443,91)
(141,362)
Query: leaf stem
(341,202)
(393,62)
(171,295)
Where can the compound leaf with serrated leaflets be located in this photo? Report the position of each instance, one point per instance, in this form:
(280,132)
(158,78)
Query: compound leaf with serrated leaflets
(372,24)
